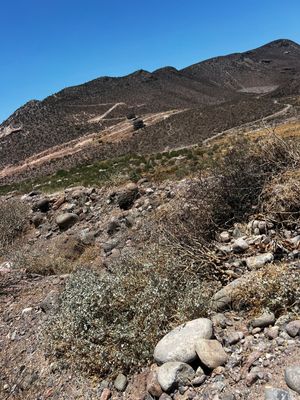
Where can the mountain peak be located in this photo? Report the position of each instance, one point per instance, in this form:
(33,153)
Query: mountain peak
(282,43)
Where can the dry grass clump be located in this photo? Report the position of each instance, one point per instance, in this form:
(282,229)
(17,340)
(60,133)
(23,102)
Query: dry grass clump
(111,322)
(14,216)
(43,264)
(280,199)
(275,287)
(59,256)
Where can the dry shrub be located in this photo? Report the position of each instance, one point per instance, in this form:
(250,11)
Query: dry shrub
(280,199)
(35,262)
(14,216)
(56,256)
(280,153)
(275,287)
(233,188)
(227,195)
(111,322)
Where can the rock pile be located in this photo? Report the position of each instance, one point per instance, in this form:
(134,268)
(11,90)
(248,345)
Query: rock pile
(224,357)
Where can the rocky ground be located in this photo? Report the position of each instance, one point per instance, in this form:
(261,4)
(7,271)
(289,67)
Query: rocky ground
(229,355)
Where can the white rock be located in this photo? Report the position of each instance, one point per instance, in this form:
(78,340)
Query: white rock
(120,382)
(263,320)
(179,344)
(27,310)
(224,237)
(276,394)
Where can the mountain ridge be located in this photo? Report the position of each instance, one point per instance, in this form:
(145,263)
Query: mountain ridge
(249,81)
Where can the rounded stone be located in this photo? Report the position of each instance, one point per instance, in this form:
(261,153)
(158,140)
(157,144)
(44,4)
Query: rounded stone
(120,382)
(263,320)
(292,378)
(179,344)
(66,220)
(293,328)
(173,374)
(211,353)
(43,205)
(240,245)
(276,394)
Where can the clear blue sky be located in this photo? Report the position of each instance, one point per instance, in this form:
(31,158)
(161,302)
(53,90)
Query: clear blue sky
(47,45)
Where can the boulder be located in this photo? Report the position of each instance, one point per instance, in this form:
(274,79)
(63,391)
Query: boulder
(50,303)
(224,237)
(295,241)
(211,353)
(153,386)
(165,396)
(78,193)
(272,333)
(292,378)
(66,220)
(110,245)
(179,344)
(234,337)
(87,237)
(173,374)
(137,387)
(106,394)
(59,202)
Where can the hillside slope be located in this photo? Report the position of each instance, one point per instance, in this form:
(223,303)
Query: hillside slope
(270,71)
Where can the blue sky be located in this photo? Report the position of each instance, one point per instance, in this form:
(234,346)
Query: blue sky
(47,45)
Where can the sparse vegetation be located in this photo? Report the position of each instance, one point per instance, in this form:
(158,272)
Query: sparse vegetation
(275,287)
(233,188)
(280,199)
(111,322)
(13,220)
(43,264)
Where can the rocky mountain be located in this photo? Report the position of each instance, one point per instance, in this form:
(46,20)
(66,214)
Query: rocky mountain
(154,251)
(98,108)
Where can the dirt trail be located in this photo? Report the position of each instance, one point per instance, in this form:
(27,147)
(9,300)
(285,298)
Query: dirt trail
(117,133)
(101,117)
(113,134)
(249,124)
